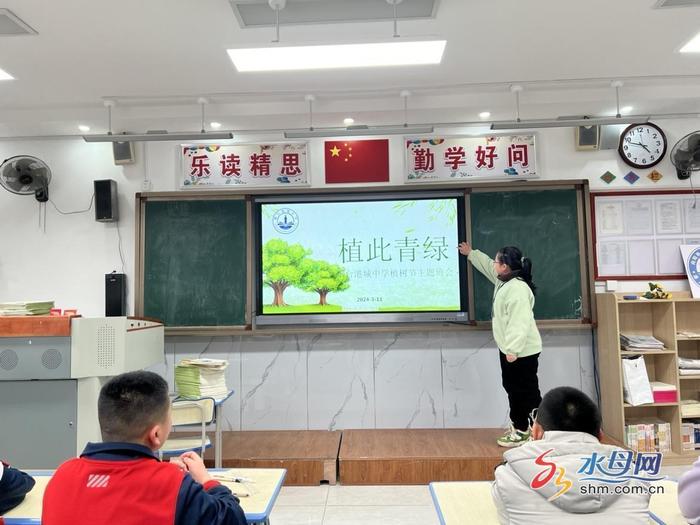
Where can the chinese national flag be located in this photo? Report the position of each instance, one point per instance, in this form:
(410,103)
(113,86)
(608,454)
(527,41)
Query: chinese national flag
(357,161)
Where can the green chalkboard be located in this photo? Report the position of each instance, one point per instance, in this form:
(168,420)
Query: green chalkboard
(544,225)
(195,262)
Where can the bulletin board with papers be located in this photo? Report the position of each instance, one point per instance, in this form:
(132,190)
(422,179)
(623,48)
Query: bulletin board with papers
(637,235)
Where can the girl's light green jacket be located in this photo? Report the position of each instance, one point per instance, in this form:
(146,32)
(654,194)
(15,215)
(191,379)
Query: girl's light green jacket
(514,327)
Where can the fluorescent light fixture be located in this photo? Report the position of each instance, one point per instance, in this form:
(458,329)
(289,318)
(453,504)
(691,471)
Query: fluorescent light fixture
(484,114)
(158,136)
(4,75)
(568,123)
(338,56)
(215,125)
(83,128)
(693,46)
(356,131)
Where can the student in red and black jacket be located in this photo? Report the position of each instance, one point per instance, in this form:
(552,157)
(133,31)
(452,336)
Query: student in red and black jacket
(122,481)
(14,485)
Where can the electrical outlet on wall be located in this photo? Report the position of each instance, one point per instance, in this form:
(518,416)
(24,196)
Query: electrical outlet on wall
(611,286)
(146,185)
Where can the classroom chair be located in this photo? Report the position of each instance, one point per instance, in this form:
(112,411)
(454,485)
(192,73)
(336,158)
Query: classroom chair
(189,412)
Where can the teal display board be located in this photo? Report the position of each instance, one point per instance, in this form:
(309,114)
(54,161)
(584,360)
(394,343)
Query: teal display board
(544,225)
(195,262)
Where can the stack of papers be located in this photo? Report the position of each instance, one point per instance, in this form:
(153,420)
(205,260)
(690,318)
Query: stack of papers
(639,343)
(26,308)
(688,367)
(201,378)
(690,408)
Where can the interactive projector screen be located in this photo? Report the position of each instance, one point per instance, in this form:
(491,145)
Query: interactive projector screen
(360,258)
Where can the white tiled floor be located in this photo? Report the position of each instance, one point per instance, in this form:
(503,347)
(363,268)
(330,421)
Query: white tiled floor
(367,505)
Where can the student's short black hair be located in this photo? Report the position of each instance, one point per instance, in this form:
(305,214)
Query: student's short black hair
(130,404)
(566,408)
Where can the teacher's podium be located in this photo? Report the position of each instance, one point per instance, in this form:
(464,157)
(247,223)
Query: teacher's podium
(51,372)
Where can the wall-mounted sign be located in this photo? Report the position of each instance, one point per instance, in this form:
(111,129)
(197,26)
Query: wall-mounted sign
(244,164)
(444,159)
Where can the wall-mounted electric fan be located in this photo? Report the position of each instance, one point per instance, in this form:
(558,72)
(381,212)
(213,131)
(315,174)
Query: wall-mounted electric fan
(25,175)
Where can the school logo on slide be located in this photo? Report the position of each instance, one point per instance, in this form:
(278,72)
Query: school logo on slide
(694,265)
(285,220)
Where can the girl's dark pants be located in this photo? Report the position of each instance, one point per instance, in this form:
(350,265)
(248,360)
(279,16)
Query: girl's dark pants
(521,385)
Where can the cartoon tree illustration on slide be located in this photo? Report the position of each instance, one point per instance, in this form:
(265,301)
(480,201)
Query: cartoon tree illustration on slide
(282,267)
(322,277)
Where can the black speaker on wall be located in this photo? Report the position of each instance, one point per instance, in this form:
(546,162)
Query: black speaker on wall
(106,203)
(115,294)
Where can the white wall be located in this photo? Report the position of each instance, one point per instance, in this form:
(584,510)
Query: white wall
(437,379)
(68,261)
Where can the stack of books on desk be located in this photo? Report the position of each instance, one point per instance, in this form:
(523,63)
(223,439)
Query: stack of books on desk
(201,378)
(26,308)
(640,343)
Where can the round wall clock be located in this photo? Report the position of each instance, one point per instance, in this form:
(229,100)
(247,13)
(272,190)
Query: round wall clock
(642,145)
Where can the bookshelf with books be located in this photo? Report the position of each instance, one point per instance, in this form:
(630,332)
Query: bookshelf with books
(675,323)
(688,330)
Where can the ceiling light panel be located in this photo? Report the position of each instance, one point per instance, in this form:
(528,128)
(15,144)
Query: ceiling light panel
(12,25)
(661,4)
(338,56)
(567,123)
(358,131)
(693,46)
(257,13)
(159,136)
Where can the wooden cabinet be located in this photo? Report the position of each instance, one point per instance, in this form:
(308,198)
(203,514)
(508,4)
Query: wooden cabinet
(663,319)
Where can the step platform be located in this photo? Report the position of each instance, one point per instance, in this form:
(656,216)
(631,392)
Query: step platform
(367,457)
(310,456)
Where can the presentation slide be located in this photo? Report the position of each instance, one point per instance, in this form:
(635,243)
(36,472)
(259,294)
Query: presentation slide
(360,256)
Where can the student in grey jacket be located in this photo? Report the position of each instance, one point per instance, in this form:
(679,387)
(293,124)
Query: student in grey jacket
(515,333)
(540,483)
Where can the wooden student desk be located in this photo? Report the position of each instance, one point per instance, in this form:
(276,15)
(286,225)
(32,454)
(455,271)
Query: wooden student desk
(264,488)
(470,503)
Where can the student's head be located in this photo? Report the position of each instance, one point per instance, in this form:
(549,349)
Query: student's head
(568,409)
(509,262)
(135,408)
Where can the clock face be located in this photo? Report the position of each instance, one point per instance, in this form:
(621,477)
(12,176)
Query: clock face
(642,145)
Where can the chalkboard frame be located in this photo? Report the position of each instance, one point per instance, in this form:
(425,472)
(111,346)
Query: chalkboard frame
(584,237)
(140,224)
(583,210)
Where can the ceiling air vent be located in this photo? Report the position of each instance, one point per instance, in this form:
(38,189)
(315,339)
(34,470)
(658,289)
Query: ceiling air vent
(12,25)
(257,13)
(661,4)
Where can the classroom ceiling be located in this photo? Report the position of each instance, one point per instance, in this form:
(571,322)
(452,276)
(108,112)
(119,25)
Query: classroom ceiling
(156,57)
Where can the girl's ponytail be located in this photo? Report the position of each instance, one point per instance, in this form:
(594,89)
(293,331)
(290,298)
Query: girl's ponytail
(520,266)
(526,273)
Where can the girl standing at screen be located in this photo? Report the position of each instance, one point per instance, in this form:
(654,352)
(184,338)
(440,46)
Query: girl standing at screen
(515,333)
